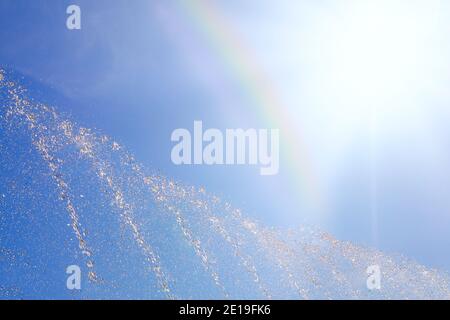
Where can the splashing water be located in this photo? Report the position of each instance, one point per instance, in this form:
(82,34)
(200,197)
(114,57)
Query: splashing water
(139,234)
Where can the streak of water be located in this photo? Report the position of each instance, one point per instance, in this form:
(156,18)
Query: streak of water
(44,143)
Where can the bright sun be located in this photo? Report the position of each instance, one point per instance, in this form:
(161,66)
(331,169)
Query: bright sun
(380,51)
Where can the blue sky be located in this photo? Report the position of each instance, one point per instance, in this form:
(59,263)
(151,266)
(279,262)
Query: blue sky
(137,70)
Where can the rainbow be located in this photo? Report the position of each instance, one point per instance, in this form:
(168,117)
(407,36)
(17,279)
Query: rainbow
(242,62)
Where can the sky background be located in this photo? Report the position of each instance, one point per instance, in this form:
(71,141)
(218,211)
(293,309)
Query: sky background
(137,70)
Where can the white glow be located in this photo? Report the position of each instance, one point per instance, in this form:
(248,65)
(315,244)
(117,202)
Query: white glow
(363,57)
(383,46)
(381,52)
(376,70)
(364,80)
